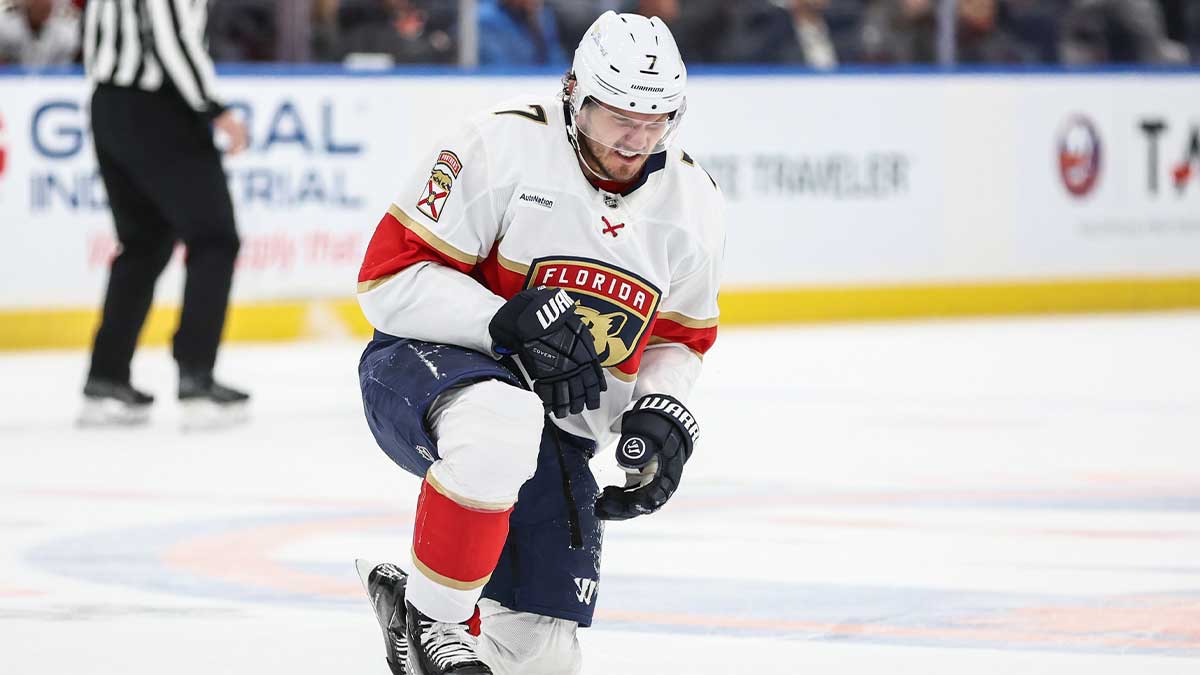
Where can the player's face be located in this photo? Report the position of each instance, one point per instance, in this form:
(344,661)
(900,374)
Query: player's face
(619,141)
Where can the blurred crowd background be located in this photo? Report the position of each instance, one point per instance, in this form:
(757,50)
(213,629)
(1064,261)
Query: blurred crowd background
(820,34)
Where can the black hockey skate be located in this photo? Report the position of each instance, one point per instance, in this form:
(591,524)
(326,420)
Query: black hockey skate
(384,585)
(437,648)
(109,402)
(208,404)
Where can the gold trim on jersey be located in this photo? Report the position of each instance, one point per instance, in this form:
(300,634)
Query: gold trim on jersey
(426,235)
(372,284)
(447,581)
(624,377)
(512,265)
(461,500)
(687,321)
(654,341)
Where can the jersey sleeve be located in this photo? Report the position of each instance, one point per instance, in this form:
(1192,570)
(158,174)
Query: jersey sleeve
(667,368)
(686,325)
(445,217)
(689,313)
(443,214)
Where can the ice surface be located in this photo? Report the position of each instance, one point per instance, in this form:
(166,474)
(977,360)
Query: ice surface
(988,497)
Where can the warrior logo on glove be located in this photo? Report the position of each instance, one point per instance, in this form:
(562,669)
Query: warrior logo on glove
(632,450)
(657,437)
(615,305)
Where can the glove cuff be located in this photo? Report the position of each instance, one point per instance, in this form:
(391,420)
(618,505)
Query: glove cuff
(670,407)
(653,417)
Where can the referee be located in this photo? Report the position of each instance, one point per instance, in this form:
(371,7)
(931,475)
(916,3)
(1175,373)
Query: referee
(153,110)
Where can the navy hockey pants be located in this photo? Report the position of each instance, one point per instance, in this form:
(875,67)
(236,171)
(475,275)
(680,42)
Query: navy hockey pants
(550,564)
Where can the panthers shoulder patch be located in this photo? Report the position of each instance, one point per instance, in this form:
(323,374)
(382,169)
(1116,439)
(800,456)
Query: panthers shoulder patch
(440,183)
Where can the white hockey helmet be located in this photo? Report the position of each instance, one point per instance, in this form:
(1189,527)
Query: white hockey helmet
(628,63)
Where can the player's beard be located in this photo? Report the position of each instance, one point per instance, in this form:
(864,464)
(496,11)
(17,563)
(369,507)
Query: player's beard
(606,164)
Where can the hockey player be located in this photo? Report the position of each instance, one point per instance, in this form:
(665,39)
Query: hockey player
(544,285)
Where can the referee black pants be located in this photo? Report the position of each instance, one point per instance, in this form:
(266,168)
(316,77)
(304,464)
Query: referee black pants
(165,184)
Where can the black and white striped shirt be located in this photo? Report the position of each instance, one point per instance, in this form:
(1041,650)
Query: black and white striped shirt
(139,43)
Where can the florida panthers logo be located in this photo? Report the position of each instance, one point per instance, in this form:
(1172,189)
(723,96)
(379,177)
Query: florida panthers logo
(616,306)
(606,332)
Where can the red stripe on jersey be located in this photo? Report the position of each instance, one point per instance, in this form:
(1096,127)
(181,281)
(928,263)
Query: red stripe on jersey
(498,278)
(699,340)
(631,365)
(455,541)
(394,247)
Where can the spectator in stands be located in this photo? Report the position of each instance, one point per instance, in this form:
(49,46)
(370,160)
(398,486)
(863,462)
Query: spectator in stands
(1035,24)
(844,18)
(1182,18)
(39,33)
(750,31)
(398,29)
(684,25)
(905,31)
(1191,24)
(242,30)
(519,33)
(811,43)
(775,31)
(667,10)
(576,16)
(1117,31)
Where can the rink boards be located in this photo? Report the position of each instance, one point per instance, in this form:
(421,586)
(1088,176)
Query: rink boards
(852,196)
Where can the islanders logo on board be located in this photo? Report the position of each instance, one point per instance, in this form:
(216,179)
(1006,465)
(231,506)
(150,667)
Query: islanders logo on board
(616,306)
(1079,155)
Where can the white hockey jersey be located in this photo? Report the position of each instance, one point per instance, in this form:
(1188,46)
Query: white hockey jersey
(503,205)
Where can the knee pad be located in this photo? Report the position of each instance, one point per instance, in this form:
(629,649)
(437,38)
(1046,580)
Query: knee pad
(488,435)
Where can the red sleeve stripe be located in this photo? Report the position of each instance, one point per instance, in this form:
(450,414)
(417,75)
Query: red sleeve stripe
(430,238)
(399,242)
(699,340)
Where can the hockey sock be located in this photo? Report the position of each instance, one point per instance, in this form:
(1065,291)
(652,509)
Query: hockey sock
(456,544)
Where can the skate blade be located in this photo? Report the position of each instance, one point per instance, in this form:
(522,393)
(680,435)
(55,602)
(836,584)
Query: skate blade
(207,416)
(107,412)
(364,567)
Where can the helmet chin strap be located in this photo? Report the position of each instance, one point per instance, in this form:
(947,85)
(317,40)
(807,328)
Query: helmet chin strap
(575,143)
(573,136)
(583,160)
